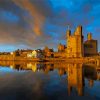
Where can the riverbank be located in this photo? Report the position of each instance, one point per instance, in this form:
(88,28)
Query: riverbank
(70,60)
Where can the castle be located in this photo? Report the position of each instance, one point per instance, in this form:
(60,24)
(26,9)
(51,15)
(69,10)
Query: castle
(77,47)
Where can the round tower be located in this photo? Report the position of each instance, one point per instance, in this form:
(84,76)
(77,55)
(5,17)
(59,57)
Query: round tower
(89,36)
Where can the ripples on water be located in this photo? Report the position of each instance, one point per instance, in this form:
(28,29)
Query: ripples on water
(48,81)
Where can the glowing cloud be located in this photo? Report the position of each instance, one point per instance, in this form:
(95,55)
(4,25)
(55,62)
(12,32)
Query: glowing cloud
(38,18)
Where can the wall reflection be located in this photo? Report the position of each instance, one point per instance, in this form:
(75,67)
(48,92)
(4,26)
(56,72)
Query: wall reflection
(75,73)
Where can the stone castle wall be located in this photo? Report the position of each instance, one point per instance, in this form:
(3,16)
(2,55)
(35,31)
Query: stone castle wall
(75,43)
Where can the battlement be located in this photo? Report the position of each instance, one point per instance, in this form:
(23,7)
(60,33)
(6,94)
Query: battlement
(78,30)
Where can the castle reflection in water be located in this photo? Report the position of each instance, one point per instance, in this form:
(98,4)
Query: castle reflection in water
(75,73)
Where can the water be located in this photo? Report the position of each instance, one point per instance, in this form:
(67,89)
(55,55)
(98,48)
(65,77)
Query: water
(48,81)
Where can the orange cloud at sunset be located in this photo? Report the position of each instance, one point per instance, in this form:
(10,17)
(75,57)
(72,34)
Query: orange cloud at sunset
(38,18)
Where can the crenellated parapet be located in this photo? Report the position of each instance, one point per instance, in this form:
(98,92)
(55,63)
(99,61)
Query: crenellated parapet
(78,31)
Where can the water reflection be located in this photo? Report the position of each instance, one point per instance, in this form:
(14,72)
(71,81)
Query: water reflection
(75,73)
(75,78)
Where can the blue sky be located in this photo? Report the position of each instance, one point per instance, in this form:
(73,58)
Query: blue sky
(38,23)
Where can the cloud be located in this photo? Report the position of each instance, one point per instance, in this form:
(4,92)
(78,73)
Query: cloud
(37,11)
(37,23)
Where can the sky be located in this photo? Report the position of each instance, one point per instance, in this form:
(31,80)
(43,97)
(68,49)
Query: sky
(34,24)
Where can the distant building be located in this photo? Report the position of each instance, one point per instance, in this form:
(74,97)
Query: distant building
(21,53)
(90,46)
(61,48)
(4,53)
(32,54)
(48,53)
(61,53)
(36,54)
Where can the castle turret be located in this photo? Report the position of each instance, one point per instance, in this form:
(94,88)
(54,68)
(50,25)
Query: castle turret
(78,31)
(68,33)
(90,46)
(89,36)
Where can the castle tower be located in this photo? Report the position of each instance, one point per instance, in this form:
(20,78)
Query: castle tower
(89,36)
(78,31)
(79,42)
(68,43)
(75,43)
(68,33)
(90,46)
